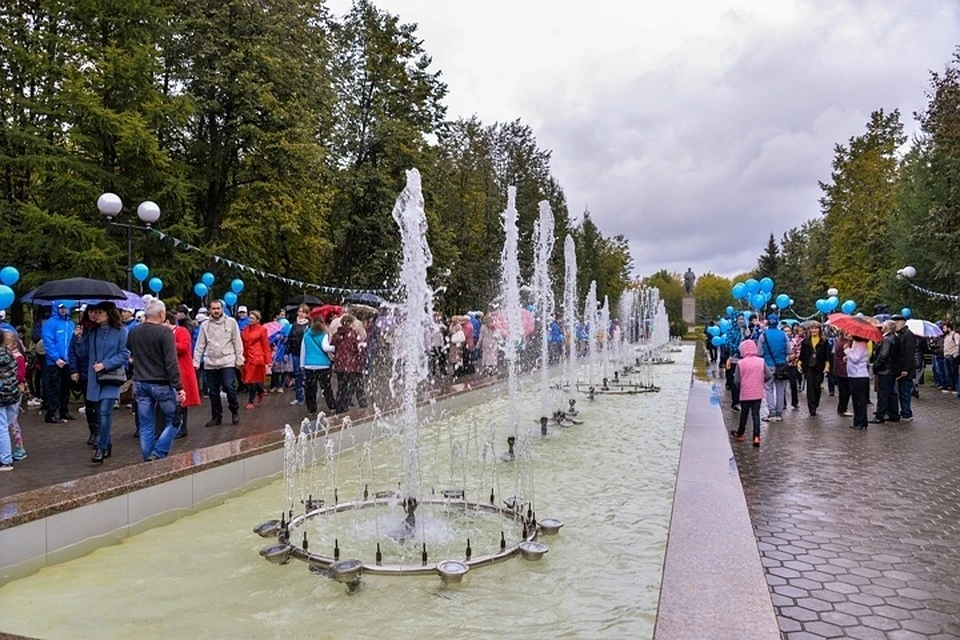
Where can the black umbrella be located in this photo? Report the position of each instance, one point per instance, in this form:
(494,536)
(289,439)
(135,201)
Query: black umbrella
(306,298)
(364,297)
(76,288)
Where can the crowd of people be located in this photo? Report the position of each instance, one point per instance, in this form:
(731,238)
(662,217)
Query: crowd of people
(765,360)
(165,362)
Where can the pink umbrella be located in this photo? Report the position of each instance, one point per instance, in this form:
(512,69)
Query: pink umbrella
(272,328)
(501,325)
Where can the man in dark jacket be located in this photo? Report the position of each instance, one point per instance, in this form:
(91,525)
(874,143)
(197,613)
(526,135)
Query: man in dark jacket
(908,366)
(886,366)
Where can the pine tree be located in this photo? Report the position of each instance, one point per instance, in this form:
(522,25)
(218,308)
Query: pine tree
(768,265)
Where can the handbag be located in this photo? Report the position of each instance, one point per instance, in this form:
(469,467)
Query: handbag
(109,377)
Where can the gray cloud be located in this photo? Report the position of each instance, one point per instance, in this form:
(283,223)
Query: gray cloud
(697,165)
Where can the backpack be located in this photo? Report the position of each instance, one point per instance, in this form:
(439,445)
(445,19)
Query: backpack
(9,384)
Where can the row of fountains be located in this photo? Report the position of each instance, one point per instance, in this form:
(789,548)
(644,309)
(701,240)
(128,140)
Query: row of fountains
(619,361)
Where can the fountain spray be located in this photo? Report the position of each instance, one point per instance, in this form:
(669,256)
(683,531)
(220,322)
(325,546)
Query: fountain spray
(415,318)
(570,309)
(510,291)
(590,317)
(543,239)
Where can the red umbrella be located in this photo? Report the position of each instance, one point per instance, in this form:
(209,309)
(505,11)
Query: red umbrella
(857,326)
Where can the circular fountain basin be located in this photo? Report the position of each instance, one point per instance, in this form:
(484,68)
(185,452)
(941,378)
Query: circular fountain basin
(550,526)
(452,571)
(532,550)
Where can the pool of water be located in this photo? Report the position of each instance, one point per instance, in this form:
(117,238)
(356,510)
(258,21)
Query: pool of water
(611,480)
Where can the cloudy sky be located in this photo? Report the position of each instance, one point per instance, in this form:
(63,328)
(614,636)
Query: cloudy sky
(694,128)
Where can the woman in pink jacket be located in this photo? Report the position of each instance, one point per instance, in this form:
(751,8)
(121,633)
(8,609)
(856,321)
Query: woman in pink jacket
(751,374)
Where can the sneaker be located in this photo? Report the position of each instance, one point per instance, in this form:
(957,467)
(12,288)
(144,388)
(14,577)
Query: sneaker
(279,390)
(766,418)
(735,407)
(82,410)
(248,406)
(941,391)
(907,419)
(294,403)
(847,414)
(260,397)
(223,394)
(6,467)
(756,441)
(778,418)
(736,436)
(19,454)
(35,402)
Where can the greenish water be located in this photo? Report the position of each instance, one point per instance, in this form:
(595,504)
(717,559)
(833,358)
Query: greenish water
(611,480)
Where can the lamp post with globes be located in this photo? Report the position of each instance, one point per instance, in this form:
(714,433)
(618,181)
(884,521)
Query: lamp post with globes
(148,212)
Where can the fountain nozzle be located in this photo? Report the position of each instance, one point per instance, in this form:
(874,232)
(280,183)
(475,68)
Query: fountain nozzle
(543,425)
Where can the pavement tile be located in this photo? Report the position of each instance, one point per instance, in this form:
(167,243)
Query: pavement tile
(866,523)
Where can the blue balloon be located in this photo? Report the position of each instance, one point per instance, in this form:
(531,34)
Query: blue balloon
(200,289)
(230,298)
(783,301)
(207,279)
(738,291)
(140,271)
(714,331)
(6,296)
(758,301)
(752,286)
(766,285)
(9,276)
(237,286)
(848,307)
(821,305)
(725,325)
(155,284)
(717,341)
(731,311)
(283,322)
(906,312)
(832,303)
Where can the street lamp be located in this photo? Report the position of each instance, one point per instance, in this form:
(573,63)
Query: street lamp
(148,212)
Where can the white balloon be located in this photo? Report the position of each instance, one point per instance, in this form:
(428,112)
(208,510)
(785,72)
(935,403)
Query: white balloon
(832,291)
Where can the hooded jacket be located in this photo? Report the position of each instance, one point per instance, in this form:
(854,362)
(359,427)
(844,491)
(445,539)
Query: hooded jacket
(751,370)
(57,336)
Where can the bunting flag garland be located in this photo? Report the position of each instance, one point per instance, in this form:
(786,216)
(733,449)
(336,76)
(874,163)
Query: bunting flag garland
(182,244)
(934,294)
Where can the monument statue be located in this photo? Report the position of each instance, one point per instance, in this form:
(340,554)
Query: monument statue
(688,279)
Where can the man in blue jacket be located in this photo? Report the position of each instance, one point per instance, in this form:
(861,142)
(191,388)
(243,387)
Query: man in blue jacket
(57,335)
(773,347)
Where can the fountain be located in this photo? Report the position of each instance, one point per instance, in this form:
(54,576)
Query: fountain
(543,241)
(408,373)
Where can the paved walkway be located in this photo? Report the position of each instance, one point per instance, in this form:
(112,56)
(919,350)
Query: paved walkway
(858,531)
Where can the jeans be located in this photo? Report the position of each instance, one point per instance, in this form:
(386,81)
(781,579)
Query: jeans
(752,407)
(104,421)
(222,379)
(7,416)
(776,392)
(149,397)
(297,377)
(888,403)
(905,389)
(950,373)
(859,393)
(939,372)
(56,390)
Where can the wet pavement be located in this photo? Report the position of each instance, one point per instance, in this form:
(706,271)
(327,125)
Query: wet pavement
(858,531)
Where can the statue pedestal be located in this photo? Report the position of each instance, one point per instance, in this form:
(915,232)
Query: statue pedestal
(689,310)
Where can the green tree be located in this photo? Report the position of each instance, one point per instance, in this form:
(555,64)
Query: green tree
(671,291)
(859,205)
(387,103)
(712,293)
(768,264)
